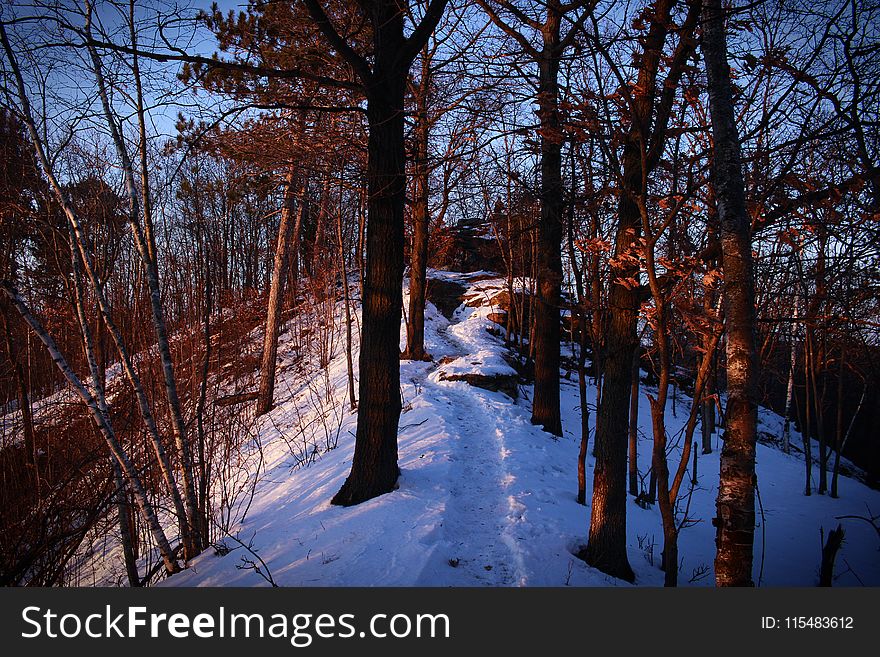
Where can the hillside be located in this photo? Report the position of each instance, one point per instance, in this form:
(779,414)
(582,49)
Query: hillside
(485,498)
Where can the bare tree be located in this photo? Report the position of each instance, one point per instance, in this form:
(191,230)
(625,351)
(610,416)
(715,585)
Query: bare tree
(288,233)
(735,522)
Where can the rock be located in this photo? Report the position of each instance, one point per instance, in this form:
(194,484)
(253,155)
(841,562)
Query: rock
(475,300)
(447,296)
(506,383)
(498,318)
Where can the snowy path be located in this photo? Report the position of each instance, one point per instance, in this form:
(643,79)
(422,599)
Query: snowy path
(483,523)
(478,516)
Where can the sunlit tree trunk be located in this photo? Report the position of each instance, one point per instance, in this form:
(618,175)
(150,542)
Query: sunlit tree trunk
(291,217)
(735,521)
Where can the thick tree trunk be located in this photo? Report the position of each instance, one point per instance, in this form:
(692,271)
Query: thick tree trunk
(415,327)
(606,546)
(374,469)
(289,217)
(735,522)
(545,404)
(643,145)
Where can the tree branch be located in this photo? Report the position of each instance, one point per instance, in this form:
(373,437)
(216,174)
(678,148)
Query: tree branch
(358,63)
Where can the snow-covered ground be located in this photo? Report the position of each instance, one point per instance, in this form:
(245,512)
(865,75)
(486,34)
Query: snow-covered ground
(485,498)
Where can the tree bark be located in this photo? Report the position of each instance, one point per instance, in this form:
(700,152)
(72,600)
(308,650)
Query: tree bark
(807,428)
(643,145)
(789,390)
(606,546)
(838,426)
(634,428)
(735,521)
(146,247)
(545,403)
(79,241)
(126,536)
(343,272)
(829,553)
(286,228)
(374,469)
(415,327)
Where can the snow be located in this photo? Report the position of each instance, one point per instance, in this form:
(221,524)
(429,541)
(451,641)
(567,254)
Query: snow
(485,498)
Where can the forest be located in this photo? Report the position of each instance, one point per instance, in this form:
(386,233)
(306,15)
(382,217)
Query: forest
(440,292)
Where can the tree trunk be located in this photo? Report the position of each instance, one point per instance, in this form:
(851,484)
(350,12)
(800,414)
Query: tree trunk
(842,441)
(789,391)
(276,294)
(582,396)
(818,368)
(642,147)
(829,553)
(80,243)
(597,317)
(145,244)
(707,407)
(24,403)
(343,271)
(838,427)
(606,547)
(204,469)
(545,404)
(634,428)
(807,429)
(374,469)
(126,536)
(415,327)
(579,324)
(735,521)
